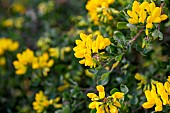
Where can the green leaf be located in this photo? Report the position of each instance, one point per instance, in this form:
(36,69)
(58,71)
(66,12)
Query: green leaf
(104,79)
(66,109)
(113,91)
(59,111)
(134,100)
(124,89)
(156,33)
(105,75)
(120,38)
(119,35)
(122,25)
(93,111)
(132,27)
(118,58)
(101,71)
(93,71)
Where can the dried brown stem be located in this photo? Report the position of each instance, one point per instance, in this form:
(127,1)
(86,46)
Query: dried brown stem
(136,36)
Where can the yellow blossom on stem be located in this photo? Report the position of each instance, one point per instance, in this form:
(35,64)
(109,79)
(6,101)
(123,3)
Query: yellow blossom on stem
(104,104)
(88,46)
(41,102)
(146,13)
(96,6)
(24,59)
(43,62)
(140,78)
(158,96)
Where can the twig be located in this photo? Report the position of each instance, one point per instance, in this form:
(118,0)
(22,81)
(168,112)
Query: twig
(140,107)
(136,36)
(162,4)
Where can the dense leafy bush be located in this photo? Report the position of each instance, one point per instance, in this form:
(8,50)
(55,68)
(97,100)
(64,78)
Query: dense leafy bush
(98,56)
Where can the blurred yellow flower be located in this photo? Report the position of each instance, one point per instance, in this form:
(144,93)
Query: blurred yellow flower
(43,62)
(140,78)
(13,22)
(87,73)
(41,102)
(7,44)
(2,61)
(63,87)
(54,52)
(19,8)
(46,7)
(96,6)
(63,50)
(26,58)
(8,22)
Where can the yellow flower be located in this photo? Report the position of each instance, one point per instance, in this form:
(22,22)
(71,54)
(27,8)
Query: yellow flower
(118,95)
(157,96)
(63,87)
(8,22)
(63,50)
(46,7)
(86,46)
(88,73)
(167,87)
(141,78)
(105,104)
(13,22)
(145,13)
(96,6)
(24,59)
(2,61)
(18,8)
(43,62)
(41,102)
(18,22)
(158,103)
(7,44)
(55,102)
(54,52)
(168,79)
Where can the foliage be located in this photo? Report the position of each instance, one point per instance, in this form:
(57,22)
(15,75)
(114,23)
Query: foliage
(96,56)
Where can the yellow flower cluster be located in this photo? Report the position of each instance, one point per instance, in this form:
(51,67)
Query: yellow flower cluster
(158,95)
(94,6)
(145,13)
(13,22)
(43,62)
(105,104)
(28,58)
(142,80)
(7,44)
(59,52)
(45,7)
(17,7)
(87,46)
(41,102)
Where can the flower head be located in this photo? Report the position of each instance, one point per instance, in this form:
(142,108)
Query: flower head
(104,104)
(158,96)
(145,13)
(86,47)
